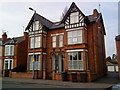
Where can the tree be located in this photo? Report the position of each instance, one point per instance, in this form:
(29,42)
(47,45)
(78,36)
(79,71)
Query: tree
(108,59)
(63,13)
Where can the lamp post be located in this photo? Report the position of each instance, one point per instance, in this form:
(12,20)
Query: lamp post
(33,59)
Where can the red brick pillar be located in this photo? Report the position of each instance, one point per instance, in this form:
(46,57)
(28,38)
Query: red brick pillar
(44,74)
(89,78)
(118,52)
(53,75)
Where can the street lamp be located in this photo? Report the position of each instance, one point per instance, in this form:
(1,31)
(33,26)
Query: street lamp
(33,59)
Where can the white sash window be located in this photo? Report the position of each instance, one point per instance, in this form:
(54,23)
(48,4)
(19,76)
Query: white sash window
(9,50)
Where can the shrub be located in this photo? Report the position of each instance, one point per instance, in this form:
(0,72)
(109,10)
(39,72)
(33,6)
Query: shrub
(20,68)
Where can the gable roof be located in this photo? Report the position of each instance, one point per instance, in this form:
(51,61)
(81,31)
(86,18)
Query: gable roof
(15,40)
(69,11)
(92,19)
(45,22)
(57,25)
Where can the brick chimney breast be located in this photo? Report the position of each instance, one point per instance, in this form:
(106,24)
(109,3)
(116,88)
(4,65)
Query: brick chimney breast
(95,13)
(25,35)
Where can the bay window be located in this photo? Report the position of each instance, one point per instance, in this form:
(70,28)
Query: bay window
(75,37)
(35,41)
(74,18)
(53,41)
(36,62)
(75,61)
(9,50)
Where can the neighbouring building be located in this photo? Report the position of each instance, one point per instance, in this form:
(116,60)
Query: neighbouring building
(73,45)
(118,52)
(0,55)
(14,52)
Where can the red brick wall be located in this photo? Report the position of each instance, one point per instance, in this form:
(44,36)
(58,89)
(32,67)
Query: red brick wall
(96,49)
(21,75)
(118,54)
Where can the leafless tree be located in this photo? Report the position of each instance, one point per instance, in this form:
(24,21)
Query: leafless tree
(63,13)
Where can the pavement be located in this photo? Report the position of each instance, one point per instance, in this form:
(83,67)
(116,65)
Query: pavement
(105,82)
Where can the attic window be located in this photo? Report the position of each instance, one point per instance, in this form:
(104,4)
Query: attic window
(74,17)
(36,25)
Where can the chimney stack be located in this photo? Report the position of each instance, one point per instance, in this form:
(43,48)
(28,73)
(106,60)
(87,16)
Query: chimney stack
(4,36)
(25,35)
(95,13)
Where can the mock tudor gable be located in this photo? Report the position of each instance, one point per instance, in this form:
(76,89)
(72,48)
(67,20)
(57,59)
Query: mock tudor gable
(74,17)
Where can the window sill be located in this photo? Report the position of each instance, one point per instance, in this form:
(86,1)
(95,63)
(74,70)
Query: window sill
(76,44)
(9,55)
(76,70)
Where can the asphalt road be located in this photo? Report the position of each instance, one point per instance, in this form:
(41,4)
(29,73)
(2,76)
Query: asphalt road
(8,84)
(15,84)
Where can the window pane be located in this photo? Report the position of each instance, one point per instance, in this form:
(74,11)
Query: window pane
(60,40)
(36,25)
(54,38)
(79,39)
(79,32)
(74,18)
(32,42)
(74,33)
(75,39)
(6,65)
(31,62)
(79,56)
(54,41)
(75,56)
(53,62)
(70,34)
(37,42)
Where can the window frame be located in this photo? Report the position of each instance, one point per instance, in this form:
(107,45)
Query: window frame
(74,17)
(9,50)
(36,41)
(71,36)
(60,41)
(71,61)
(36,25)
(54,41)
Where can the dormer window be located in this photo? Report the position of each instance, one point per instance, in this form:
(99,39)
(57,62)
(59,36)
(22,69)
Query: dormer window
(36,25)
(74,18)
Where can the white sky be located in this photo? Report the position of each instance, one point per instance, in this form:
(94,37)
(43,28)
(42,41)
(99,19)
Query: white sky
(15,15)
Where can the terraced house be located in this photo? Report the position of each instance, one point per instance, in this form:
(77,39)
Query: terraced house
(14,53)
(73,45)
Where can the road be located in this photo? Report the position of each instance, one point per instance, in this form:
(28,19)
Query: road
(104,82)
(7,84)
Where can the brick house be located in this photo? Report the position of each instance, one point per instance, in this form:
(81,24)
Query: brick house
(14,53)
(118,52)
(74,44)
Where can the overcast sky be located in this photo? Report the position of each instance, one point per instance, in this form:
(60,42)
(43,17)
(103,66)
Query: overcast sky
(14,16)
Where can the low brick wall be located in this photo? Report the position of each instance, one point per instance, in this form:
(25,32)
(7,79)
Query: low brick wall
(20,75)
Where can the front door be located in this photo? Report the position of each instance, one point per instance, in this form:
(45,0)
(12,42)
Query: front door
(8,65)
